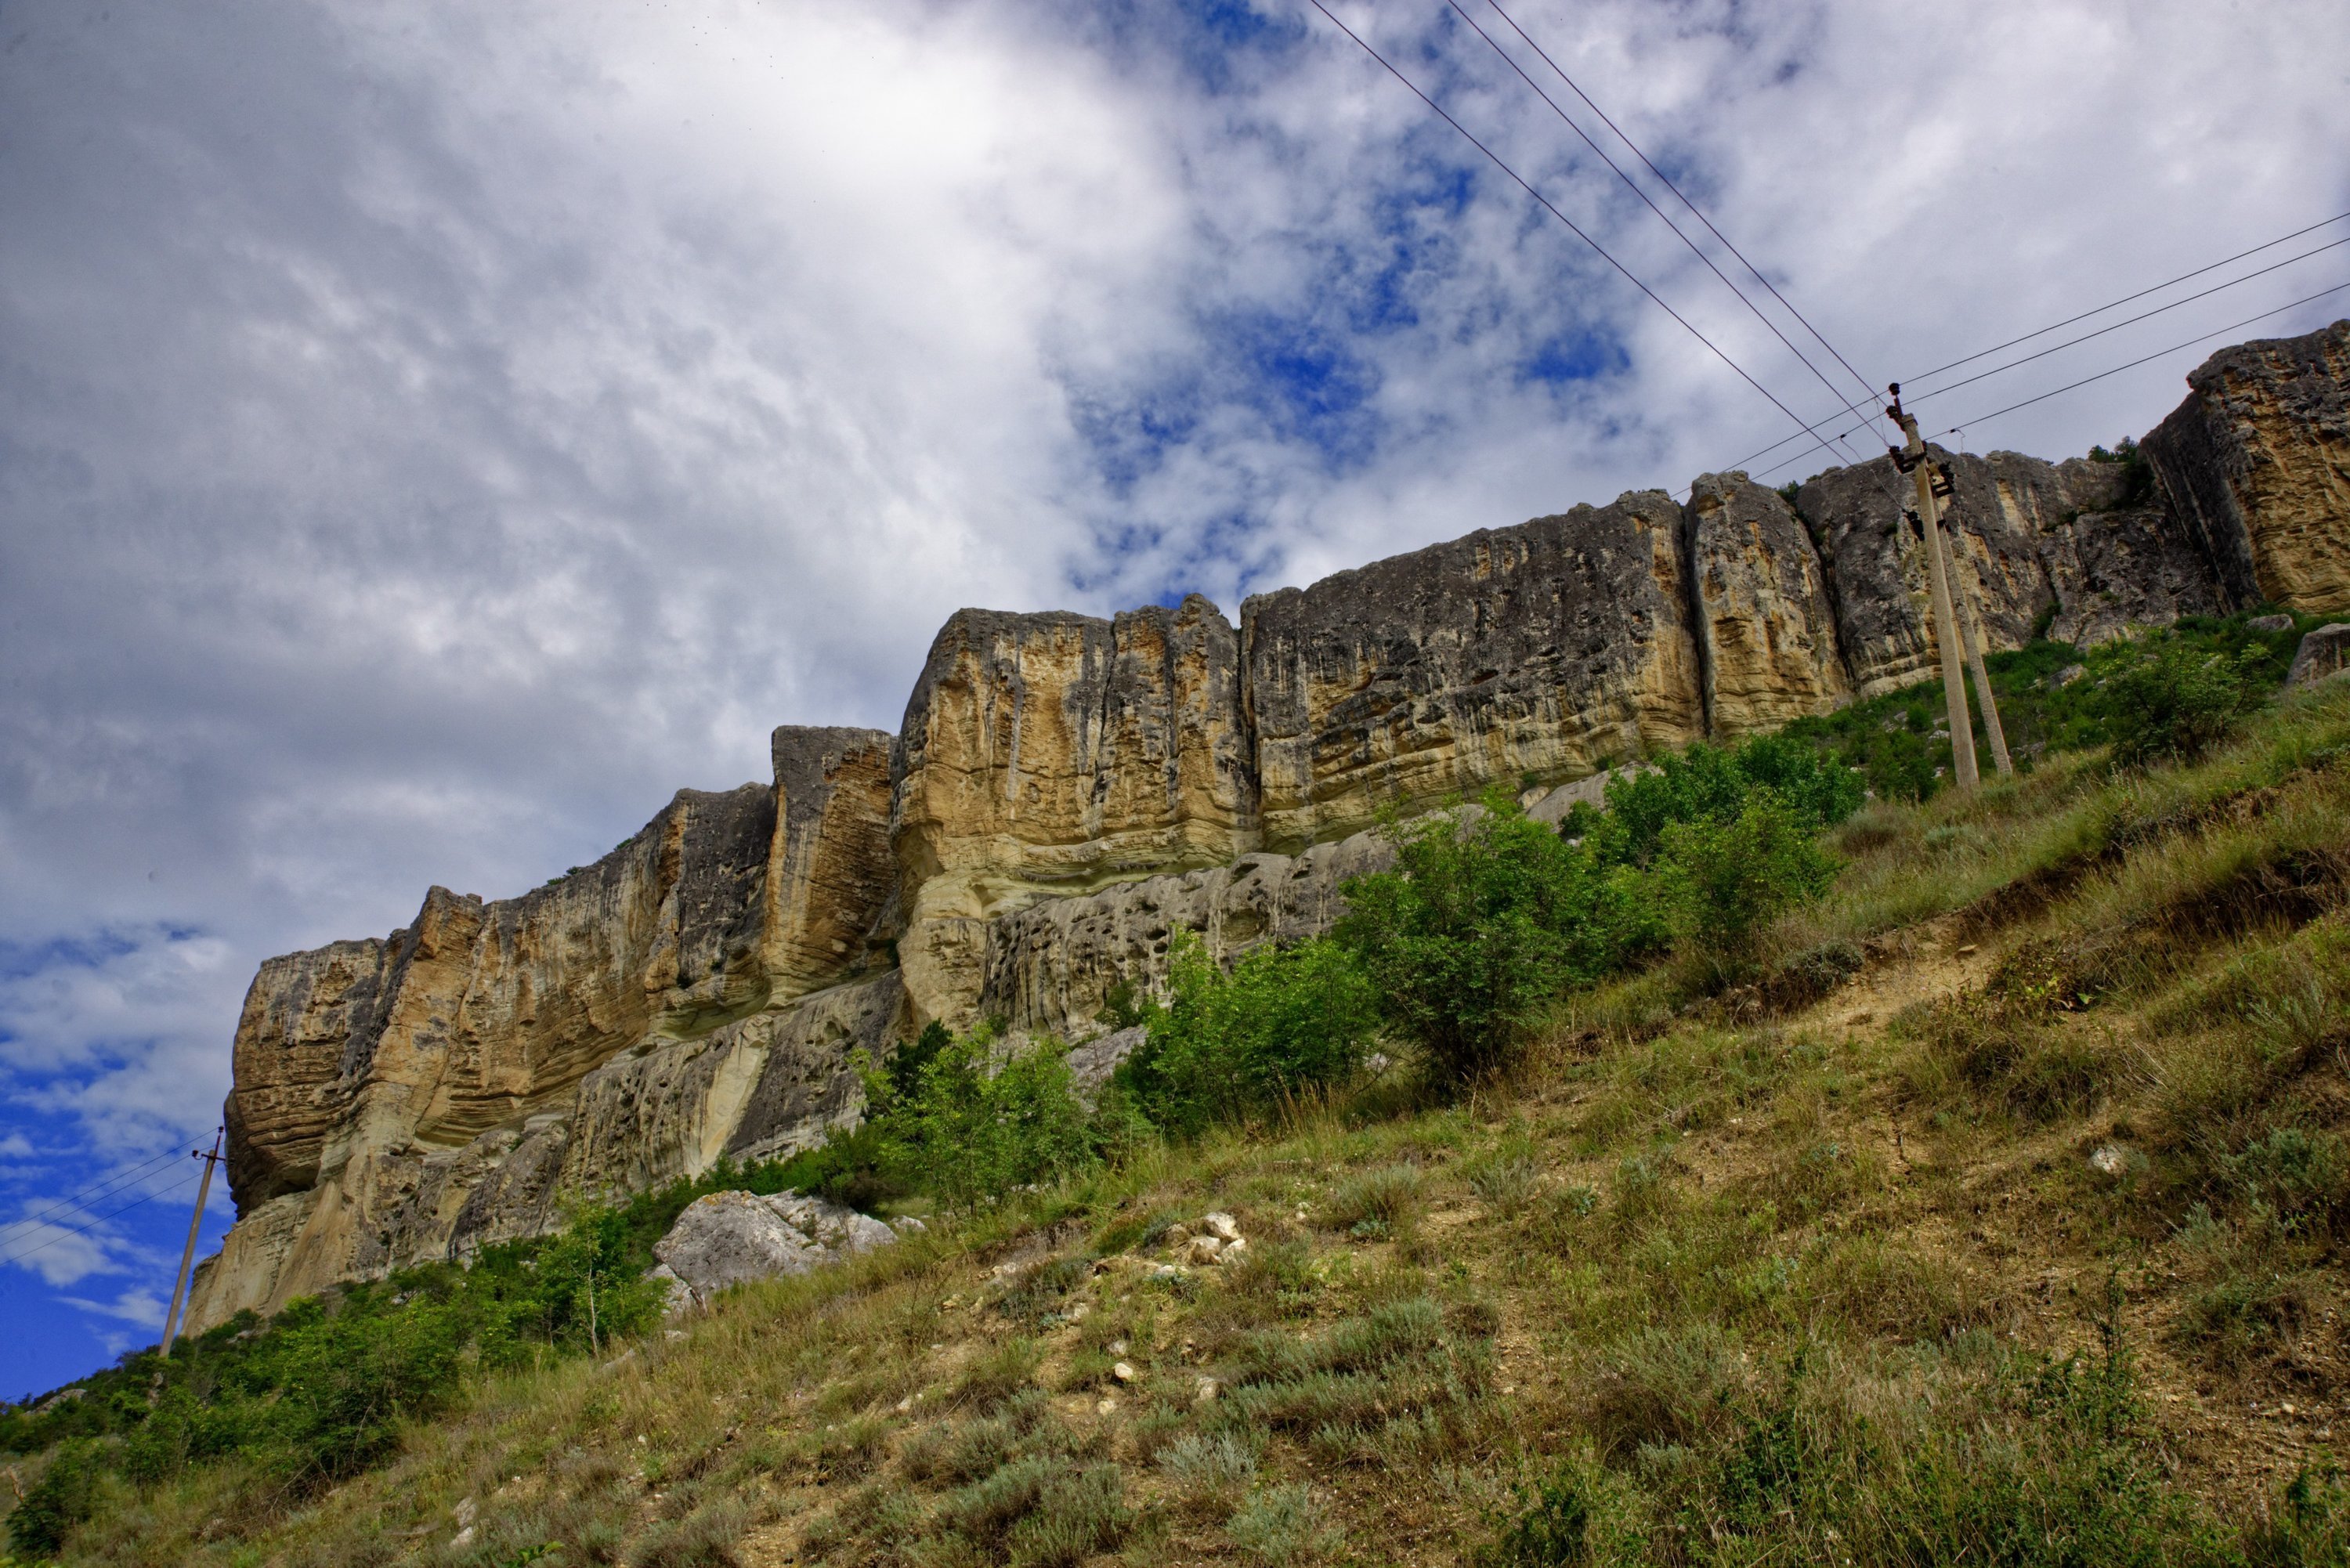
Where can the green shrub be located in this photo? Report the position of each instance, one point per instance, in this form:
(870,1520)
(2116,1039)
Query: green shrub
(1725,879)
(1288,1020)
(1482,921)
(974,1126)
(2178,703)
(1714,784)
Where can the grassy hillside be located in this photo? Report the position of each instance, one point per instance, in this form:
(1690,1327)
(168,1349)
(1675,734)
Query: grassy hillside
(1991,1210)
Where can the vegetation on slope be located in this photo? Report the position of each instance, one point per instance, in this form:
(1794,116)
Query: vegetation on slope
(1989,1207)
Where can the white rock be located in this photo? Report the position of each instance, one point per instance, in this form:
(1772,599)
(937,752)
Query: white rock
(2111,1159)
(463,1539)
(729,1238)
(1232,1250)
(1222,1226)
(1107,1406)
(1123,1372)
(1204,1250)
(1205,1389)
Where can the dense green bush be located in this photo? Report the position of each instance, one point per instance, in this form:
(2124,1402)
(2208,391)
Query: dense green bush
(1286,1021)
(1714,785)
(1724,880)
(970,1123)
(2178,701)
(1486,917)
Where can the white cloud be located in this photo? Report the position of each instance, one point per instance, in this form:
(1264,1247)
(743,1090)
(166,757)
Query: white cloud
(143,1309)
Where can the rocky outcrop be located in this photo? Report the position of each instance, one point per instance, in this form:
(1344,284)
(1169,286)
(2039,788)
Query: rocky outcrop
(830,870)
(1766,632)
(2256,466)
(1067,793)
(1049,968)
(2323,653)
(1049,753)
(1546,649)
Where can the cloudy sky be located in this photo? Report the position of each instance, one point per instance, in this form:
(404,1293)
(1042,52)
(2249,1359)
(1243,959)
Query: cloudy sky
(432,433)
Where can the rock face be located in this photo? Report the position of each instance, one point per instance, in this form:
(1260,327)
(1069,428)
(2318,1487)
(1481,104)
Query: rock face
(1049,968)
(1067,793)
(2325,652)
(1766,632)
(2256,466)
(1050,753)
(731,1238)
(1549,649)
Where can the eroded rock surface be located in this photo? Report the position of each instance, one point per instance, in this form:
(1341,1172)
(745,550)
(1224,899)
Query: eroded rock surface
(1549,649)
(1050,753)
(1766,631)
(2256,465)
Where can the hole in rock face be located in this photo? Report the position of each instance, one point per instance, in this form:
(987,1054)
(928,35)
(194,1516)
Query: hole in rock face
(1243,925)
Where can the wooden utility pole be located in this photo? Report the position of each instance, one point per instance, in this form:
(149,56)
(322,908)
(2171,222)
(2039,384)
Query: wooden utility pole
(188,1253)
(1910,459)
(1970,631)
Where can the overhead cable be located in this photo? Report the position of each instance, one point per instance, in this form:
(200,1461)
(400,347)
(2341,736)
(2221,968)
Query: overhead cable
(1551,209)
(64,1231)
(1871,391)
(2131,320)
(2141,294)
(1630,183)
(82,1198)
(2158,354)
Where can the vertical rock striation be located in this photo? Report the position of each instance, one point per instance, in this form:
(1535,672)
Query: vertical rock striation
(1547,648)
(1766,631)
(1050,753)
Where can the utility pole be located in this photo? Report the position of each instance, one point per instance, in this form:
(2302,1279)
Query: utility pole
(1970,633)
(1910,459)
(188,1253)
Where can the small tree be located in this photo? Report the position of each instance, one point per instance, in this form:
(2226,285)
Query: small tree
(2176,704)
(978,1123)
(1285,1021)
(1484,918)
(1725,880)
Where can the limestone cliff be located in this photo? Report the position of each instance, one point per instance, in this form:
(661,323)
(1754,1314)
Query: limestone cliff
(1547,648)
(2256,466)
(1050,753)
(1766,632)
(1065,792)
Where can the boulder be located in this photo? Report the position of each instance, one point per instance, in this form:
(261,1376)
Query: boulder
(2324,652)
(731,1238)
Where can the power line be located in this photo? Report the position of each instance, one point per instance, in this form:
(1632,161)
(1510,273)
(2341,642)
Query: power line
(85,1230)
(2158,354)
(1569,122)
(1562,217)
(2141,294)
(2131,320)
(1870,393)
(80,1200)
